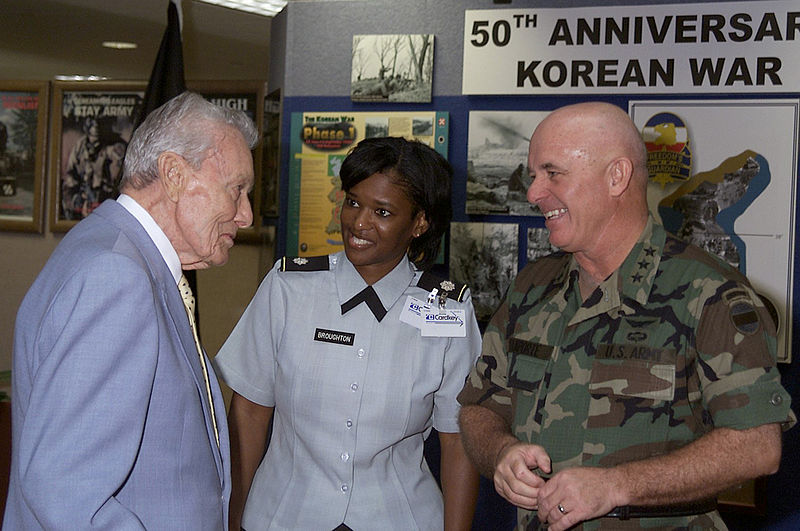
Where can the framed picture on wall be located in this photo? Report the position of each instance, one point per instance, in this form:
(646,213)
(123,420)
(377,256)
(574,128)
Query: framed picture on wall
(23,139)
(247,96)
(396,68)
(91,126)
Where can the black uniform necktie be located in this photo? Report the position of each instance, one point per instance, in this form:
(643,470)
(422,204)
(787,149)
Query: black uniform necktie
(369,296)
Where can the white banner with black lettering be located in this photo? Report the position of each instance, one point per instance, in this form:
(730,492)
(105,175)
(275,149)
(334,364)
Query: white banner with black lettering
(731,47)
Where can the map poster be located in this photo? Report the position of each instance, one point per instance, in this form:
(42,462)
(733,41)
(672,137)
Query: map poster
(722,176)
(319,143)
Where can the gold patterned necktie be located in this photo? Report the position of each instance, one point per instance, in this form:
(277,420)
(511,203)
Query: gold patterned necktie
(188,302)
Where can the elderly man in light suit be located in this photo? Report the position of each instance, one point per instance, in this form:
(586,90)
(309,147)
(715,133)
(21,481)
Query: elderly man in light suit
(118,420)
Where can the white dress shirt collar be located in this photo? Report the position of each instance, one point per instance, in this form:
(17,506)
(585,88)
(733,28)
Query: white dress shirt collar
(156,234)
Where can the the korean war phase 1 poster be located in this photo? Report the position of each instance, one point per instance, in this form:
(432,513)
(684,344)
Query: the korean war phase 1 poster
(319,143)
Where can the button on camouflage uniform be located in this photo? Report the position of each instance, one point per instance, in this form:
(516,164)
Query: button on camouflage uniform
(673,344)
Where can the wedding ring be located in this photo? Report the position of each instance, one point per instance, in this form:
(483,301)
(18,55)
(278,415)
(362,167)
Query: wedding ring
(561,509)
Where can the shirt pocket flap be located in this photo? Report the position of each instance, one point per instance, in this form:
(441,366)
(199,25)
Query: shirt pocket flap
(527,363)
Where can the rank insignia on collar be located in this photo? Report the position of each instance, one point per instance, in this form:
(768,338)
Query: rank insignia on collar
(449,289)
(305,263)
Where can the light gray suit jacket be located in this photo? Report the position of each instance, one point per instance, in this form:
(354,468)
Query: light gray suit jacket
(111,421)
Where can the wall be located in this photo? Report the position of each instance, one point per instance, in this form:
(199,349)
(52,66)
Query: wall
(310,63)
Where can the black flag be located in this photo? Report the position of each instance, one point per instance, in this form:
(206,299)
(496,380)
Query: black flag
(166,82)
(166,79)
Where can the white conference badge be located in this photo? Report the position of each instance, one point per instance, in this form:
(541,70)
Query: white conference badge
(441,322)
(412,312)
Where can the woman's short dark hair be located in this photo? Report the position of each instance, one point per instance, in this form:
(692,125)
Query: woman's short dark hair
(425,176)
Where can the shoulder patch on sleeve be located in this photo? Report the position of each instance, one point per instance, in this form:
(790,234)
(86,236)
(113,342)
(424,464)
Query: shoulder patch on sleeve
(428,281)
(304,263)
(742,311)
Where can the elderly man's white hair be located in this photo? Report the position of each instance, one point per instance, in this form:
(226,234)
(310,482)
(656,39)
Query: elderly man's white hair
(184,125)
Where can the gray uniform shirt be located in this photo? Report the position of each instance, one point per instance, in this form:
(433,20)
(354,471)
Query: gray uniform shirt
(353,399)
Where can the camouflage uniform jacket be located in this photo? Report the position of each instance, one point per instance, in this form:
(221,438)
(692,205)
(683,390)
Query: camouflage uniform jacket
(671,345)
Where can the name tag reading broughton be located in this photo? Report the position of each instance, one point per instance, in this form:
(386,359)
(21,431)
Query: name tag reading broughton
(332,336)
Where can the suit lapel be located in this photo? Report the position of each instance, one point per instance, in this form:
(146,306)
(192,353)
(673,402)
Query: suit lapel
(177,312)
(173,304)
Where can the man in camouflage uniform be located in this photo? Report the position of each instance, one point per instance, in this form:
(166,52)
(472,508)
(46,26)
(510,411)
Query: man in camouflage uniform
(629,378)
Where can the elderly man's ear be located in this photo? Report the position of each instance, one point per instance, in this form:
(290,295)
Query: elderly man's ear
(172,169)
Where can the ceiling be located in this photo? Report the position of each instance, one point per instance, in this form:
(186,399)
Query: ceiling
(44,38)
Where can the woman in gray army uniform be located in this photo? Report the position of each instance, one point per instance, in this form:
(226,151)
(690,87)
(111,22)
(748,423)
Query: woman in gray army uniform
(355,356)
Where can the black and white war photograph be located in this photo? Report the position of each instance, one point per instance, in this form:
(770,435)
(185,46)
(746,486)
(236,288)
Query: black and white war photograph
(395,68)
(539,244)
(497,162)
(375,126)
(422,126)
(484,257)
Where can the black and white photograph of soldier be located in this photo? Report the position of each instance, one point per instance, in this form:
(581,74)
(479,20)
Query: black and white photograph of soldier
(497,156)
(392,68)
(484,257)
(94,137)
(539,244)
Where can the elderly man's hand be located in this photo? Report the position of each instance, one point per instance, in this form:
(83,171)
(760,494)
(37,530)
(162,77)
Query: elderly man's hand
(514,475)
(577,494)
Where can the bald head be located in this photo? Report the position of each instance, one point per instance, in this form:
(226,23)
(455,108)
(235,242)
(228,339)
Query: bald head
(588,165)
(602,132)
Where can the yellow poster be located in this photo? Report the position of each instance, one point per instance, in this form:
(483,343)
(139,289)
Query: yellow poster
(319,143)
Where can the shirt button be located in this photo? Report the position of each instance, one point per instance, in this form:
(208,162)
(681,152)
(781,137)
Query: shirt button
(345,488)
(345,456)
(361,353)
(349,423)
(776,400)
(354,387)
